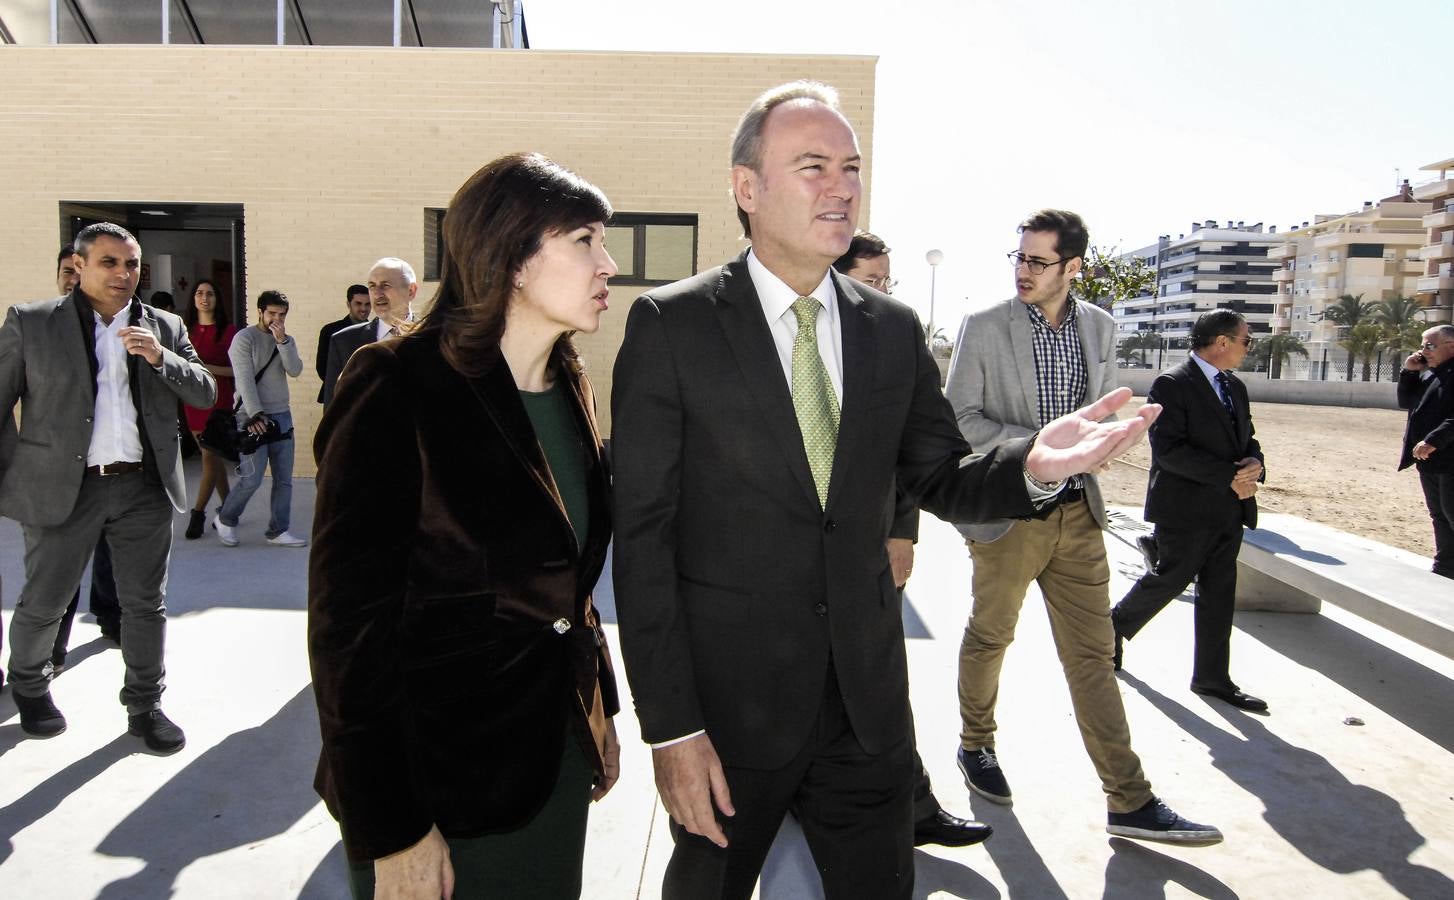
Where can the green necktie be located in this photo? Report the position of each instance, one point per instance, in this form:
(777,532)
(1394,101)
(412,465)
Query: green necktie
(813,397)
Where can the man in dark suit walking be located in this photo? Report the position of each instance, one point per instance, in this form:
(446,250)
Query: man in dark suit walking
(1426,390)
(761,412)
(391,288)
(357,298)
(1205,468)
(97,374)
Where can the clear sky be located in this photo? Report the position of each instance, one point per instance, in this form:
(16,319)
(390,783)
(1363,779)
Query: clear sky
(1141,115)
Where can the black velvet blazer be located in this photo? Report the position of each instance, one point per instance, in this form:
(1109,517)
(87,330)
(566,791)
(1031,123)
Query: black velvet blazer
(451,634)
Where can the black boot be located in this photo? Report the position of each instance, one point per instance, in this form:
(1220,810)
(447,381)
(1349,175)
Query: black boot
(195,524)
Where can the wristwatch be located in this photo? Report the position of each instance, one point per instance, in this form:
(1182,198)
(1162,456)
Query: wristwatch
(1048,487)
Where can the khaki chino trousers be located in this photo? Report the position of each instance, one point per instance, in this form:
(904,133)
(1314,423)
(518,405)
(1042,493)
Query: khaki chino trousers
(1065,554)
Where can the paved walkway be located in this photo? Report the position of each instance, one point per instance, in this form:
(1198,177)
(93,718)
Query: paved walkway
(1311,806)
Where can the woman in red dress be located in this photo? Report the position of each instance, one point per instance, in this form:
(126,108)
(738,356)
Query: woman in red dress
(211,335)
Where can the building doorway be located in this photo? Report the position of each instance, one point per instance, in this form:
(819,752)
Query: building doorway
(180,244)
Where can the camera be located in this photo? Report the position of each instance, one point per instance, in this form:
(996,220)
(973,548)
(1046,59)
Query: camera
(248,442)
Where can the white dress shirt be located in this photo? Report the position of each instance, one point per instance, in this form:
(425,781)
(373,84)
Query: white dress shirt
(114,433)
(777,307)
(1211,372)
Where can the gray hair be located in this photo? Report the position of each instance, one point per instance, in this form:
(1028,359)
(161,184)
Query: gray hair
(1446,332)
(394,262)
(747,139)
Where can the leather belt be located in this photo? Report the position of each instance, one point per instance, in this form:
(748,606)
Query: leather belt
(115,468)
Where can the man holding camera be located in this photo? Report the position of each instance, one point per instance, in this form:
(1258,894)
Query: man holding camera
(263,359)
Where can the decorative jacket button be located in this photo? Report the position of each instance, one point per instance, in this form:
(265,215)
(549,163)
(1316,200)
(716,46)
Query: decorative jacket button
(561,626)
(821,609)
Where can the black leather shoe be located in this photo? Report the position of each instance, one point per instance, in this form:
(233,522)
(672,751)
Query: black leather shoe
(948,830)
(159,732)
(39,716)
(1116,654)
(195,523)
(110,630)
(1232,696)
(1146,543)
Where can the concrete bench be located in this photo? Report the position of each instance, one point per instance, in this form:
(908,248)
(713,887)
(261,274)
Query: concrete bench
(1290,564)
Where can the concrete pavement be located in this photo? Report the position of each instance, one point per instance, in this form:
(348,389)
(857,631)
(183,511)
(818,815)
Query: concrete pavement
(1310,805)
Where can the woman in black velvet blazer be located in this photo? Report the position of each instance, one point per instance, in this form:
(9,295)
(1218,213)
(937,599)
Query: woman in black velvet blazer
(463,683)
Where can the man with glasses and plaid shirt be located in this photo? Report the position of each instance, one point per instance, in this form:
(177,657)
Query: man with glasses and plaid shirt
(1017,365)
(1205,468)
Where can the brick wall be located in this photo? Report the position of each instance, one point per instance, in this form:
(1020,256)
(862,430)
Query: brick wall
(335,152)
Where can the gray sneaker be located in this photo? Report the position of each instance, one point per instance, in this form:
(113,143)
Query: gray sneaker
(981,769)
(1158,822)
(287,539)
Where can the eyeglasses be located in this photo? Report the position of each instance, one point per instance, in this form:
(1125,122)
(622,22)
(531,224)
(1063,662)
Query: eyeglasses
(1247,341)
(1036,266)
(1430,345)
(885,283)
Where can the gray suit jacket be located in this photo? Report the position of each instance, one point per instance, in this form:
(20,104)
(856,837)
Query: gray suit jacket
(341,347)
(43,367)
(991,385)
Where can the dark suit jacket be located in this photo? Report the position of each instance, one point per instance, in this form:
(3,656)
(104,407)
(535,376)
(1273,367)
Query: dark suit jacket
(341,348)
(453,641)
(732,585)
(1431,417)
(1194,452)
(44,366)
(325,334)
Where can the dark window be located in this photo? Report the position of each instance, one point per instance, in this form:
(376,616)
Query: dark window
(433,243)
(652,248)
(1365,251)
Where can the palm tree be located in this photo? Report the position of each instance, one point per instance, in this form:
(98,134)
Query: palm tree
(1363,342)
(1277,351)
(1347,314)
(1138,342)
(1403,325)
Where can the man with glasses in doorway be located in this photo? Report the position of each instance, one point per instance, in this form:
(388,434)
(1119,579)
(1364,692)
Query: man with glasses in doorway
(1018,365)
(1426,390)
(1206,465)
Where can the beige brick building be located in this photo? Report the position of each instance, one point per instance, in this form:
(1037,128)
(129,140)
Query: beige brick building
(337,155)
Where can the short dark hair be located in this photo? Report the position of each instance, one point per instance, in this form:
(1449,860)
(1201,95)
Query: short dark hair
(1212,325)
(162,300)
(863,246)
(1071,237)
(353,291)
(66,253)
(272,298)
(87,236)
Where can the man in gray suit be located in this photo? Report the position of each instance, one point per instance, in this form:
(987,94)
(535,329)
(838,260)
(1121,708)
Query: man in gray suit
(1018,365)
(97,374)
(392,287)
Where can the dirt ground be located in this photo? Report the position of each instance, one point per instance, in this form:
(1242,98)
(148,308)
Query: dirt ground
(1330,464)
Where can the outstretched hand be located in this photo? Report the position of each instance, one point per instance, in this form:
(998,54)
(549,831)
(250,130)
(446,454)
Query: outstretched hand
(1080,442)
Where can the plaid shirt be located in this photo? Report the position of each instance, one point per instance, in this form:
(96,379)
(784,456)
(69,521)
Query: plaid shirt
(1060,376)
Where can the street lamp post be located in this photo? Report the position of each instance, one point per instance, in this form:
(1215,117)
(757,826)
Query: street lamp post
(933,258)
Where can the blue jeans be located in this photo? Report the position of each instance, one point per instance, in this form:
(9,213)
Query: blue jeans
(250,471)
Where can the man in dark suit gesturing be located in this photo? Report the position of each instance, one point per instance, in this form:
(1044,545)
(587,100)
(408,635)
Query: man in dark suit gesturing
(761,412)
(1205,468)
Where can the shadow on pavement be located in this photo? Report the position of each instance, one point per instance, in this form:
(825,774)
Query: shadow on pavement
(1384,678)
(1136,871)
(41,800)
(1014,855)
(1341,826)
(253,785)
